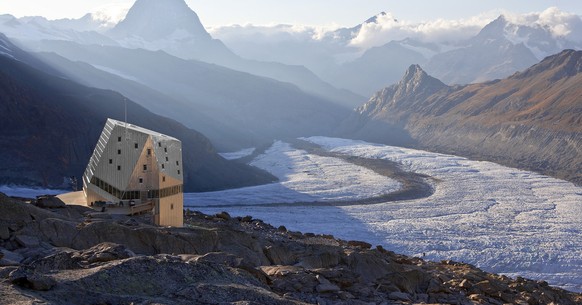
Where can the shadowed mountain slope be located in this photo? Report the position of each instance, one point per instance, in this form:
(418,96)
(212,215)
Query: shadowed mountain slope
(259,109)
(50,126)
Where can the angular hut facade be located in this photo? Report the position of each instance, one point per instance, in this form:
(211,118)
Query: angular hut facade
(134,166)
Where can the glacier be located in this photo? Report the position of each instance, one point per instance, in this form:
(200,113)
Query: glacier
(501,219)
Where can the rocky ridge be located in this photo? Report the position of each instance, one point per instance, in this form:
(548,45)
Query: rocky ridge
(531,120)
(72,255)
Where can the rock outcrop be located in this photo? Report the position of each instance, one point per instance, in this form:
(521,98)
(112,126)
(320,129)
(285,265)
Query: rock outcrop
(218,259)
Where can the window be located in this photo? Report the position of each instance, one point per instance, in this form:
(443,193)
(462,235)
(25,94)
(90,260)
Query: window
(178,163)
(163,178)
(178,172)
(171,206)
(140,180)
(149,152)
(167,159)
(163,166)
(119,151)
(159,144)
(136,145)
(165,149)
(118,139)
(110,161)
(145,167)
(119,167)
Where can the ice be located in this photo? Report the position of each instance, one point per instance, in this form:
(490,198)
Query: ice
(303,177)
(238,154)
(501,219)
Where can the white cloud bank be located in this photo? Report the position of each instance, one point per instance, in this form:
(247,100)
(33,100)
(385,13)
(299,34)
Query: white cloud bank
(388,27)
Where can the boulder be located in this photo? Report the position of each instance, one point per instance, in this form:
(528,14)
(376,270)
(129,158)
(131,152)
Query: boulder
(399,296)
(27,241)
(10,258)
(359,244)
(49,202)
(27,279)
(223,215)
(325,286)
(279,255)
(105,252)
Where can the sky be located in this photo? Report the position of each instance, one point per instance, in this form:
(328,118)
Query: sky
(305,12)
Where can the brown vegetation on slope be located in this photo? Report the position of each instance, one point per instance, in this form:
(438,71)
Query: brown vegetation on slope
(531,120)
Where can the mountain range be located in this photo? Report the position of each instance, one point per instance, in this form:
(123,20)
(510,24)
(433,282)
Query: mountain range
(50,125)
(161,57)
(532,119)
(456,53)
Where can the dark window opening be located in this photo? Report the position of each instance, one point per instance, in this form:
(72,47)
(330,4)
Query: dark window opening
(135,145)
(110,161)
(165,149)
(140,180)
(163,166)
(118,139)
(178,172)
(178,163)
(167,159)
(119,167)
(149,152)
(145,167)
(171,206)
(119,151)
(160,144)
(163,178)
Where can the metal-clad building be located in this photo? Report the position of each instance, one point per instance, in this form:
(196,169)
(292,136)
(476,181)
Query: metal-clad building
(135,166)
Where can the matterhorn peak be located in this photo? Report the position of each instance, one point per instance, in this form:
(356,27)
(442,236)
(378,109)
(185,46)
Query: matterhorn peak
(158,19)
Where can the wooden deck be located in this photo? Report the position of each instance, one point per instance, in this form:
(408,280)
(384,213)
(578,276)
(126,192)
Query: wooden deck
(78,198)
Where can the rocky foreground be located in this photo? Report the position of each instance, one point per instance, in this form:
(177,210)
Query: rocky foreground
(71,255)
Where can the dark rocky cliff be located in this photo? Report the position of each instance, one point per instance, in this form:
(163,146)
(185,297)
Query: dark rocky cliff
(531,120)
(71,255)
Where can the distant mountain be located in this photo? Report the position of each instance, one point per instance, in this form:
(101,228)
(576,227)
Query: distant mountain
(168,25)
(489,55)
(532,119)
(171,26)
(50,126)
(30,30)
(258,109)
(376,68)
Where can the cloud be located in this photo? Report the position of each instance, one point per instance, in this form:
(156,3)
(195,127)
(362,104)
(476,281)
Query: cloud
(110,14)
(559,23)
(271,33)
(387,28)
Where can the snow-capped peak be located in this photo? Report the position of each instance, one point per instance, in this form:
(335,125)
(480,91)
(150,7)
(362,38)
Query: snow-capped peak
(157,19)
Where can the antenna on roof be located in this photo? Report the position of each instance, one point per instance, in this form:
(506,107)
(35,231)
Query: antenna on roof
(125,106)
